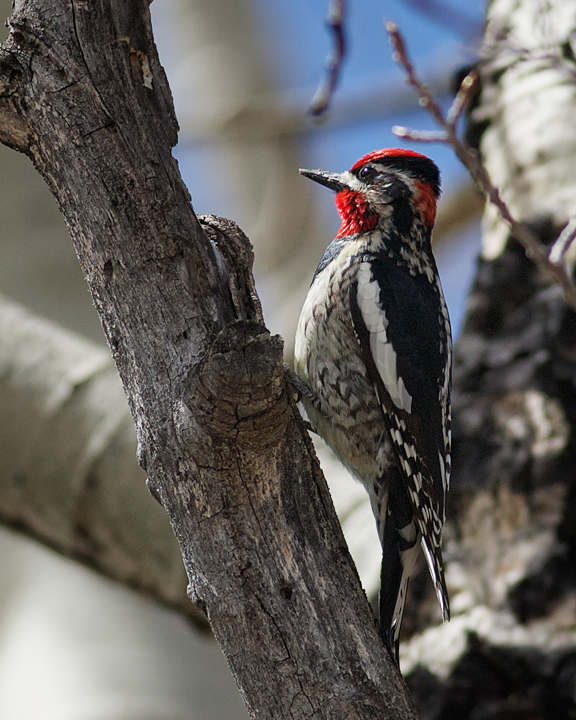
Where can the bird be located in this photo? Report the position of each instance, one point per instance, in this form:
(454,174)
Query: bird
(373,362)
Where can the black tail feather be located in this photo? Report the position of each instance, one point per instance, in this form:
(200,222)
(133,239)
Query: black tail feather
(400,540)
(390,581)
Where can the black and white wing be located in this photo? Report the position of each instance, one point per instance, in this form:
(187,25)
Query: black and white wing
(403,330)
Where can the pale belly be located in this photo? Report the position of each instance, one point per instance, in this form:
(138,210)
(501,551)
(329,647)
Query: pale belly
(348,416)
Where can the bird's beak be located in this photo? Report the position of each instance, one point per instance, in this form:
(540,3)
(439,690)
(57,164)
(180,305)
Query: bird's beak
(330,180)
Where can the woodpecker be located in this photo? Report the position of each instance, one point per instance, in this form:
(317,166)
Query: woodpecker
(373,362)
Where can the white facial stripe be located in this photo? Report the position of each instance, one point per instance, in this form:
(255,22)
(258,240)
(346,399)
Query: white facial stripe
(352,181)
(382,351)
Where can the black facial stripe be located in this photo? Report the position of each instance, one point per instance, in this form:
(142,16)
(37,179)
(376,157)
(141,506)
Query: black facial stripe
(419,168)
(403,217)
(390,186)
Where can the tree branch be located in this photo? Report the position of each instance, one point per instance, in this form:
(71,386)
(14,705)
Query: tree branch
(323,95)
(74,483)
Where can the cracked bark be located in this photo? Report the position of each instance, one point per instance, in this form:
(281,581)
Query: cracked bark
(82,93)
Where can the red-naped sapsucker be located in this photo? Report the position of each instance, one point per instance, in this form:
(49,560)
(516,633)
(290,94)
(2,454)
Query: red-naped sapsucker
(373,356)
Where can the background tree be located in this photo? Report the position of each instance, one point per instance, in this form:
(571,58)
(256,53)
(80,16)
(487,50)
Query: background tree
(511,562)
(510,650)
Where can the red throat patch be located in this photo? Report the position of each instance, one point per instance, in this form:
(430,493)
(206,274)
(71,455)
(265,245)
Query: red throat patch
(426,203)
(356,218)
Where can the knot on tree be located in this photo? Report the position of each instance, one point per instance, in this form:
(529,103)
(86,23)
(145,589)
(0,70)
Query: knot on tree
(237,394)
(235,259)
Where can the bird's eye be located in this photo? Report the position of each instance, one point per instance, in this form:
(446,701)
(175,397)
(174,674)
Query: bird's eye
(366,172)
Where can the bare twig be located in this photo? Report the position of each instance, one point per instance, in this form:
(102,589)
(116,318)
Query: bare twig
(562,244)
(550,264)
(323,95)
(430,136)
(462,98)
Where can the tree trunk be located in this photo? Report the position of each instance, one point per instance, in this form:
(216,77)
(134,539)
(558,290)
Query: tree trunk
(83,94)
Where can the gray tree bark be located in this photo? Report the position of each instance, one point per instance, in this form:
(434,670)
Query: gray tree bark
(82,93)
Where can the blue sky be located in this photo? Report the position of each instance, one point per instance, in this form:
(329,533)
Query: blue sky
(296,43)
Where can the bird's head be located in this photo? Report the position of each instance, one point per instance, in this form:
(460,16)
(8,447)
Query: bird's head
(379,186)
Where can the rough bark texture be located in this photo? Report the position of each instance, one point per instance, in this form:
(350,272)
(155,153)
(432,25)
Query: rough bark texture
(510,649)
(83,94)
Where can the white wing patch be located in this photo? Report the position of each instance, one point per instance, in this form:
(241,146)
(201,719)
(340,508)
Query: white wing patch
(382,350)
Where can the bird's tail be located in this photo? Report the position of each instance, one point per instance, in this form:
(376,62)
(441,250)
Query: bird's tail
(436,568)
(397,565)
(400,547)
